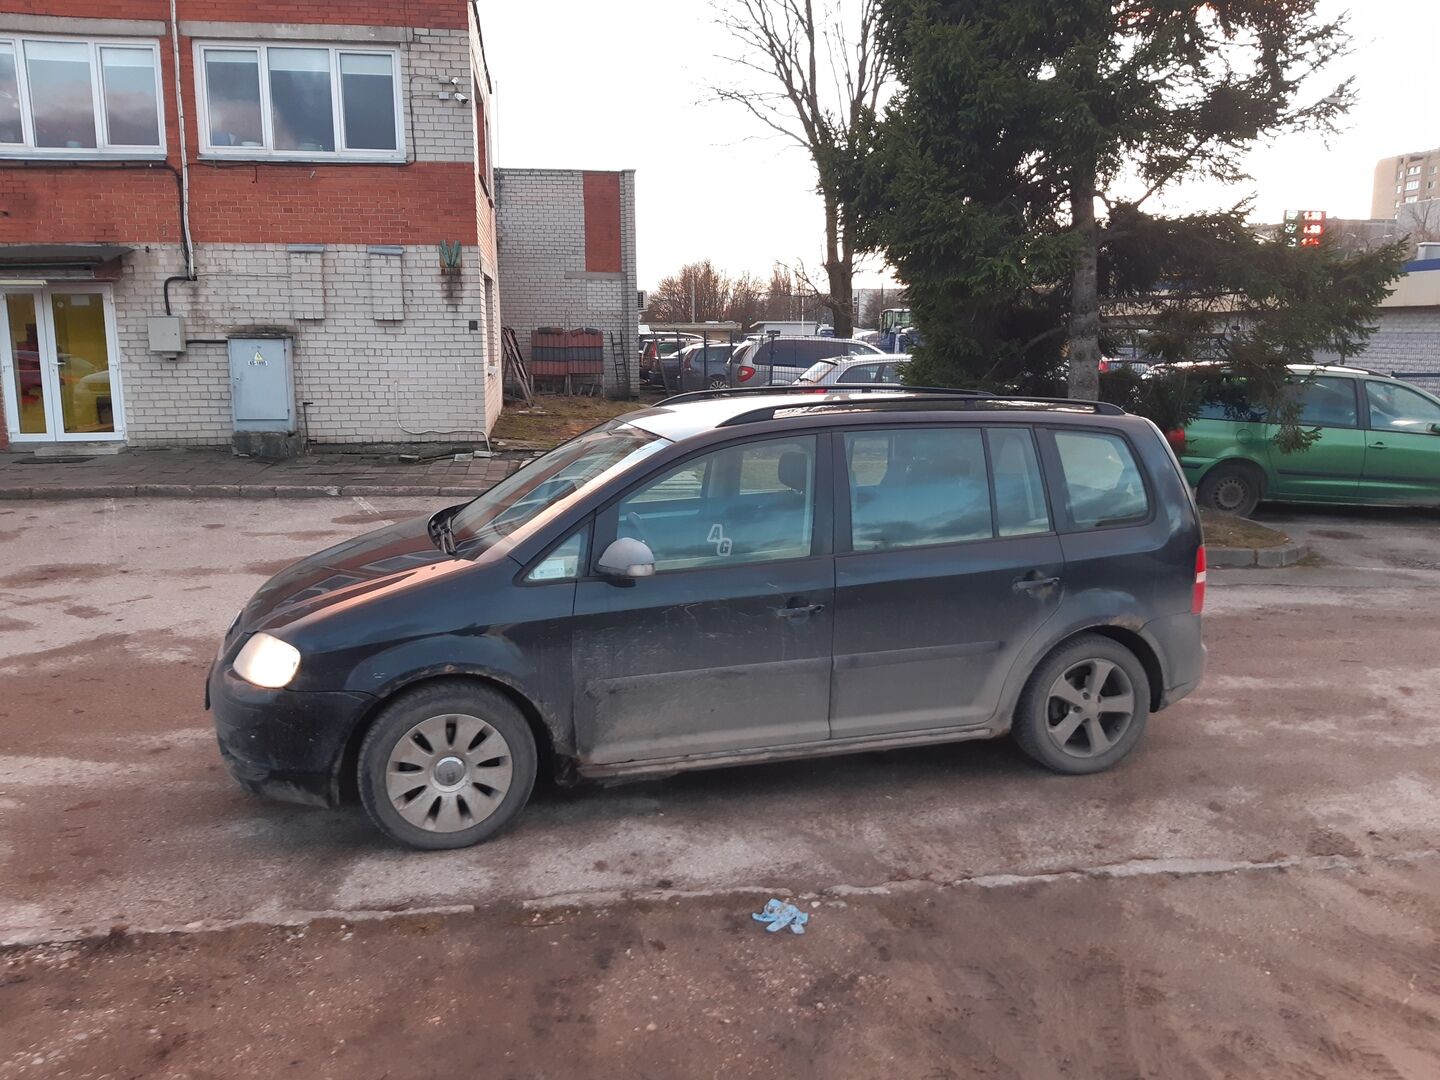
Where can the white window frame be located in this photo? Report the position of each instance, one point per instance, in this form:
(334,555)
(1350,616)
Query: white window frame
(104,149)
(267,152)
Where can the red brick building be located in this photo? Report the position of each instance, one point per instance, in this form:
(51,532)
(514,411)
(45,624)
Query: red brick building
(275,215)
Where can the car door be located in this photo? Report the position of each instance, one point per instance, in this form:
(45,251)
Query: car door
(727,646)
(1402,444)
(1329,470)
(944,570)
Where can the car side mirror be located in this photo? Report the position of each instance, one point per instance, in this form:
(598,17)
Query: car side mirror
(627,558)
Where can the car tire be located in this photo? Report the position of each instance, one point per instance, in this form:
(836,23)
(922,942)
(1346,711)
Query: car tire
(469,754)
(718,382)
(1231,489)
(1060,720)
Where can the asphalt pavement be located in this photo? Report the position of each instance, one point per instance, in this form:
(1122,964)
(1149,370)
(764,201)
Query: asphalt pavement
(1268,853)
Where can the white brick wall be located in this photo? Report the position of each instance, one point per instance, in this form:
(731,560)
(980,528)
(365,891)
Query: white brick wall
(439,130)
(1407,341)
(368,380)
(540,218)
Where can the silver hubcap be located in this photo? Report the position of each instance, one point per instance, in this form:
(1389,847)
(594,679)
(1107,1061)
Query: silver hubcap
(448,773)
(1089,708)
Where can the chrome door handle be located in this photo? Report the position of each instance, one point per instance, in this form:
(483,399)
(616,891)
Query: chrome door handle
(1027,584)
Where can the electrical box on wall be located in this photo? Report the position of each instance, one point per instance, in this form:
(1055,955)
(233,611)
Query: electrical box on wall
(167,333)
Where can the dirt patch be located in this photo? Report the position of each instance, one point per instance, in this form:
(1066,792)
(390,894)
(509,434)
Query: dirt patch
(555,417)
(1229,531)
(6,535)
(1083,978)
(85,611)
(49,572)
(8,624)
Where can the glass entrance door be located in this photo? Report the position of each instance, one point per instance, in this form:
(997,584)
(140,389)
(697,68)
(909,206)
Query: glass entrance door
(57,354)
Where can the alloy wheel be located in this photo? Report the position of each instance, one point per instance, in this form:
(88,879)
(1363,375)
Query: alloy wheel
(1089,708)
(448,773)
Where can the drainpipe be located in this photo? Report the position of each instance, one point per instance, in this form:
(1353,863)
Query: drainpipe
(185,242)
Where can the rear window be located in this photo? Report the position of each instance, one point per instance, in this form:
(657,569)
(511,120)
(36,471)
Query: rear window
(815,372)
(1102,479)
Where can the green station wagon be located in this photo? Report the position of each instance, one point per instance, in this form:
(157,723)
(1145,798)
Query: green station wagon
(1379,442)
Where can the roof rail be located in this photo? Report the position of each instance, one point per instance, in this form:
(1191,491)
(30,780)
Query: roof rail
(807,388)
(958,400)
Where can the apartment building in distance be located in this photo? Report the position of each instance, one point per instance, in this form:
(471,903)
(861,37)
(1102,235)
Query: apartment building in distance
(1405,180)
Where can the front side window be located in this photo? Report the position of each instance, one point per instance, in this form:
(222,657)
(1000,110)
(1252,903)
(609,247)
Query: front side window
(300,101)
(743,504)
(1102,479)
(910,488)
(69,97)
(1395,408)
(551,482)
(564,561)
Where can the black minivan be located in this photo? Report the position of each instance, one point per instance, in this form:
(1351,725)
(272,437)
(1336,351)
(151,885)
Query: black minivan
(731,576)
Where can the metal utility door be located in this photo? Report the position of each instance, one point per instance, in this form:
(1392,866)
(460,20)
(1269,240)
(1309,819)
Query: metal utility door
(261,390)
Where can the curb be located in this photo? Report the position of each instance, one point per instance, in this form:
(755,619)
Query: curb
(1267,558)
(237,491)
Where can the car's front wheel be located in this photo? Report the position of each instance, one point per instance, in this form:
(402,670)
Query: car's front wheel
(1084,707)
(446,765)
(1231,489)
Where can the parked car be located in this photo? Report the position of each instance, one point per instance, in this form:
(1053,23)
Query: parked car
(1379,442)
(704,367)
(657,348)
(778,360)
(734,578)
(888,368)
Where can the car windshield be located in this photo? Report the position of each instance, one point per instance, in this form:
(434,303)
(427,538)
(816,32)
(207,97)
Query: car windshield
(815,372)
(549,482)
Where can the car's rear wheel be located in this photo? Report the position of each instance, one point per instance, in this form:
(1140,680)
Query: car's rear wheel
(1231,489)
(1084,707)
(717,382)
(446,766)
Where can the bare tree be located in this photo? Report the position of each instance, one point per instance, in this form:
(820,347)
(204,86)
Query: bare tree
(824,79)
(747,302)
(697,293)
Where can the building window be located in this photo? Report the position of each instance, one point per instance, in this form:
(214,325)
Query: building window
(1414,170)
(1412,185)
(285,101)
(65,97)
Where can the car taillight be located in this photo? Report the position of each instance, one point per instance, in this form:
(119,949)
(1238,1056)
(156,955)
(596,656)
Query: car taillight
(1176,438)
(1197,598)
(745,374)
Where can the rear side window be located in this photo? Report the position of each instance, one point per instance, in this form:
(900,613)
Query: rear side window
(1226,398)
(861,373)
(1326,402)
(1102,479)
(1020,508)
(910,488)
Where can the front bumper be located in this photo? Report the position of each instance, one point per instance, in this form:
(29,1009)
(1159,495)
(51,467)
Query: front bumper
(283,744)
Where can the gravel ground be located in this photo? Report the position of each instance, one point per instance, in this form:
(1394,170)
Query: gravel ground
(1254,893)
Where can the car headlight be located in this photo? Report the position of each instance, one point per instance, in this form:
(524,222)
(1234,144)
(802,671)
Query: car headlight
(267,661)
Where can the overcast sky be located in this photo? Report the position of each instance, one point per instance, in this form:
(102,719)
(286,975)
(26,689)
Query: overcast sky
(619,85)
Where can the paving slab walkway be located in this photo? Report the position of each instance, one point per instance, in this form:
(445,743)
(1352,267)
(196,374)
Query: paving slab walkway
(220,474)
